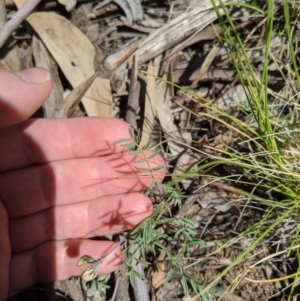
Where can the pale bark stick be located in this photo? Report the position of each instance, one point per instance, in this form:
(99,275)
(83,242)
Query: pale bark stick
(16,20)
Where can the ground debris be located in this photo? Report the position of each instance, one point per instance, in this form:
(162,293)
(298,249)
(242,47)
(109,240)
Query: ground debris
(163,67)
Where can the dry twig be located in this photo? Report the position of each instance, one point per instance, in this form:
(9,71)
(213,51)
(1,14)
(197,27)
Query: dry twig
(17,19)
(133,106)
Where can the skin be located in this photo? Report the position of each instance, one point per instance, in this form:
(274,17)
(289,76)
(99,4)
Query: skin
(61,183)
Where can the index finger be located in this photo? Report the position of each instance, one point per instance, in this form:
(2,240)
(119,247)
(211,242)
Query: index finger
(38,141)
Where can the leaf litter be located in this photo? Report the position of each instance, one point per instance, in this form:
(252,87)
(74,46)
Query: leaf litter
(174,56)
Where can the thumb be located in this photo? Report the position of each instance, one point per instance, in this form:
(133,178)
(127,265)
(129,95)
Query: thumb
(22,93)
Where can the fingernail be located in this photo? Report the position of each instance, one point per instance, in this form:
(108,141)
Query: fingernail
(35,75)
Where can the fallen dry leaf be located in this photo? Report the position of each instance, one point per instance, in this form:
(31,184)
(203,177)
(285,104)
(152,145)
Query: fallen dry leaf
(158,276)
(74,54)
(19,3)
(150,104)
(54,106)
(69,4)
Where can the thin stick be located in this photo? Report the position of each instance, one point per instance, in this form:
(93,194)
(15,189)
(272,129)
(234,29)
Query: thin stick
(3,18)
(133,106)
(16,20)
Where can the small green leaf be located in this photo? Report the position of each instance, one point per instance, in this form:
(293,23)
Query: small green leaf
(147,145)
(163,221)
(141,161)
(77,281)
(138,137)
(184,285)
(129,145)
(169,275)
(93,285)
(122,140)
(156,152)
(160,234)
(196,242)
(158,167)
(141,169)
(138,275)
(84,260)
(136,152)
(143,262)
(159,245)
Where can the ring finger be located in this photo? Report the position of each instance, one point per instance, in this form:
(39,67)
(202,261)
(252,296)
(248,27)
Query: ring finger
(104,216)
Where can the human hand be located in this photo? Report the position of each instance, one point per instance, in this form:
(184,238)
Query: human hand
(61,182)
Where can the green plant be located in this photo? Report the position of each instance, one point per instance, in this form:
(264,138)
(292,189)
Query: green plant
(269,164)
(151,236)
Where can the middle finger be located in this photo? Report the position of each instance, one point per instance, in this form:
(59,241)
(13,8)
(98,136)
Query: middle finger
(59,183)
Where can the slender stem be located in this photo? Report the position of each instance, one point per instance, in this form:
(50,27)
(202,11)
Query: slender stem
(16,20)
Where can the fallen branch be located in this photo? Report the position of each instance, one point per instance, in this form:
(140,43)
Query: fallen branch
(17,19)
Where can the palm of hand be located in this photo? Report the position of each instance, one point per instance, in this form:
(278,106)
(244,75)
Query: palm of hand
(62,182)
